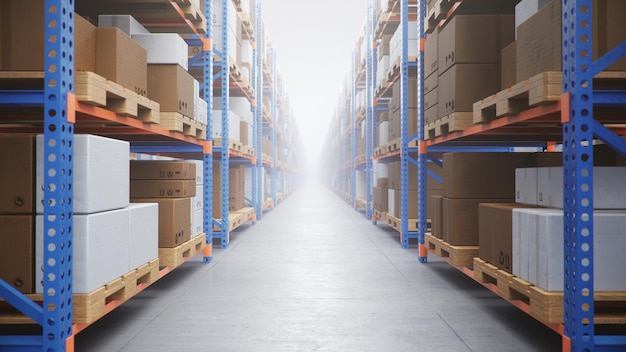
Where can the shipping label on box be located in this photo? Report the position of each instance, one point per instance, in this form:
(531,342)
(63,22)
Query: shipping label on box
(162,188)
(162,170)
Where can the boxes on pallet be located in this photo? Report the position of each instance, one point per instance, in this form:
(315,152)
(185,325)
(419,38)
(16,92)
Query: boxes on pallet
(17,245)
(381,199)
(100,249)
(458,89)
(127,23)
(164,48)
(233,125)
(174,220)
(162,188)
(431,55)
(17,174)
(395,43)
(163,170)
(431,99)
(472,175)
(217,21)
(144,233)
(460,226)
(172,87)
(436,203)
(122,60)
(609,191)
(101,174)
(474,39)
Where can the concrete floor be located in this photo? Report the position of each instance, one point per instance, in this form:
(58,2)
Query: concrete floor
(314,275)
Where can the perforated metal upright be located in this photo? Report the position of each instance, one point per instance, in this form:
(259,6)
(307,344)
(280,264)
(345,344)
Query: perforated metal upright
(257,175)
(579,129)
(423,150)
(370,72)
(353,128)
(404,106)
(274,127)
(207,158)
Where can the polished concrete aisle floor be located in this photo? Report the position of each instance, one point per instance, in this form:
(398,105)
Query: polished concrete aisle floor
(314,275)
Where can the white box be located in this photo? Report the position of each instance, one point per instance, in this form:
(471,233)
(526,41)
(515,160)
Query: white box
(360,184)
(383,133)
(526,9)
(609,189)
(199,171)
(100,249)
(246,53)
(382,70)
(391,194)
(381,170)
(233,121)
(127,23)
(144,233)
(197,202)
(526,186)
(164,48)
(101,174)
(202,111)
(197,227)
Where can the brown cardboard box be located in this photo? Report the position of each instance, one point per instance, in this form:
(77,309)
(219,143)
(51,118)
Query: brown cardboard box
(431,98)
(174,220)
(17,249)
(431,115)
(235,177)
(394,125)
(381,199)
(474,39)
(483,175)
(411,206)
(17,174)
(431,82)
(172,87)
(383,116)
(243,133)
(436,201)
(383,47)
(430,55)
(22,21)
(121,60)
(162,188)
(460,226)
(539,42)
(508,66)
(495,232)
(162,170)
(393,173)
(430,207)
(459,89)
(382,182)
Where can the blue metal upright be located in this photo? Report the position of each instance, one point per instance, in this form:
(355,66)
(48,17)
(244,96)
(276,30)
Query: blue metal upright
(274,128)
(207,158)
(579,129)
(404,129)
(353,128)
(258,111)
(370,72)
(421,157)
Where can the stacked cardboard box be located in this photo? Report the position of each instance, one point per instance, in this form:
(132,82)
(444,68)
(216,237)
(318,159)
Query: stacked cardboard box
(236,189)
(171,184)
(197,202)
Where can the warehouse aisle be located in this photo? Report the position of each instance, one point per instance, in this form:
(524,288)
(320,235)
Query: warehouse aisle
(313,275)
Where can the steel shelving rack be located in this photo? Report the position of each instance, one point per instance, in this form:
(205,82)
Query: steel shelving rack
(576,111)
(61,113)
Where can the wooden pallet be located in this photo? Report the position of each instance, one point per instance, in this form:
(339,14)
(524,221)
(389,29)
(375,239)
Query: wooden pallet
(173,257)
(547,306)
(90,307)
(457,121)
(390,147)
(436,13)
(268,204)
(457,255)
(380,215)
(174,121)
(92,89)
(396,223)
(541,89)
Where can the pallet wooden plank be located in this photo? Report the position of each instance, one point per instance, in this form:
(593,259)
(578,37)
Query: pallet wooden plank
(174,257)
(457,255)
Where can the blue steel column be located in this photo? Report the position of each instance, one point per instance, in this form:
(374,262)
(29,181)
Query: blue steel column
(225,123)
(274,127)
(353,128)
(578,175)
(258,112)
(58,174)
(404,104)
(369,90)
(208,157)
(421,157)
(253,169)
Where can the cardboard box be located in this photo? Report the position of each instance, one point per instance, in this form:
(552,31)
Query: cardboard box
(436,201)
(460,224)
(122,60)
(391,202)
(162,188)
(174,220)
(508,66)
(431,98)
(162,170)
(172,87)
(526,186)
(431,82)
(609,191)
(17,248)
(164,48)
(100,249)
(458,89)
(495,234)
(127,23)
(411,205)
(381,199)
(243,133)
(17,28)
(526,9)
(431,115)
(197,201)
(101,174)
(17,174)
(199,171)
(144,233)
(473,175)
(431,55)
(474,39)
(197,228)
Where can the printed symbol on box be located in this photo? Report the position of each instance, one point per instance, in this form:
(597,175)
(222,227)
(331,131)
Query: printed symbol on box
(19,201)
(18,282)
(170,192)
(505,260)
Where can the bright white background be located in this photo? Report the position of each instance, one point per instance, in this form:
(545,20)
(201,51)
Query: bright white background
(314,42)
